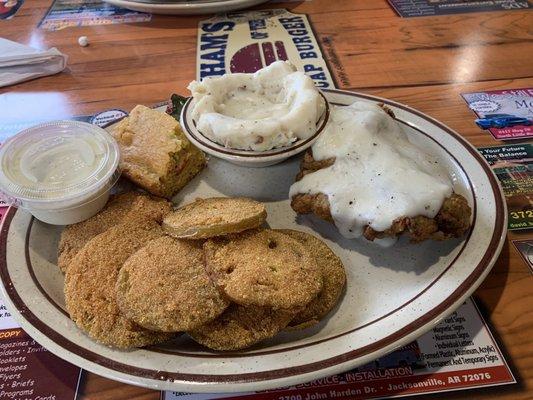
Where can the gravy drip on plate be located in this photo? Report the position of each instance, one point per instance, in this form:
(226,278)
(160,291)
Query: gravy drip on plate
(378,175)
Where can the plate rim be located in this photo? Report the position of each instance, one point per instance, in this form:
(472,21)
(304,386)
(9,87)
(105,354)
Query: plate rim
(291,375)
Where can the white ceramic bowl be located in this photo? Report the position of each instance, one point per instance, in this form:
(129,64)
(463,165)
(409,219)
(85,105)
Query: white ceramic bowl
(247,158)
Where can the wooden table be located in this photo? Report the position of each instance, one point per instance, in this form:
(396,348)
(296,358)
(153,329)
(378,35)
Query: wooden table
(423,62)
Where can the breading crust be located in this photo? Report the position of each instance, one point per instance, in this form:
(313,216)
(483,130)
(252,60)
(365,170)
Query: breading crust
(453,219)
(120,208)
(215,216)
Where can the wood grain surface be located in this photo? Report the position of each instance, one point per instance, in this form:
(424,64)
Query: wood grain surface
(424,62)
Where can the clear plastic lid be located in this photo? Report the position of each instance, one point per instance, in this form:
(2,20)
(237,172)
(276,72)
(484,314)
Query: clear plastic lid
(57,162)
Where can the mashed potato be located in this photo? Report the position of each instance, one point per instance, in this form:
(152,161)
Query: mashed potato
(270,108)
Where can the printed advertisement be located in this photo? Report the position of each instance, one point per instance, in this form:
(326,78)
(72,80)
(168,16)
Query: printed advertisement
(525,249)
(424,8)
(506,114)
(27,370)
(68,13)
(459,353)
(513,165)
(249,41)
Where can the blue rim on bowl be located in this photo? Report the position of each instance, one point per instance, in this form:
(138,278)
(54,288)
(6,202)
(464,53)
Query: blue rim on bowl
(247,156)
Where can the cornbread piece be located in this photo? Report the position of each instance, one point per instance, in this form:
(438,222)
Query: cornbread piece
(263,268)
(156,155)
(215,216)
(90,284)
(333,276)
(240,327)
(121,207)
(164,287)
(452,220)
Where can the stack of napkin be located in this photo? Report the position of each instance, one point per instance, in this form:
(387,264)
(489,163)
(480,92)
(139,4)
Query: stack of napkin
(20,63)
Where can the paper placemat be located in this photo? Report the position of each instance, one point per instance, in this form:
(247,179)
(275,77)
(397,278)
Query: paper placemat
(459,353)
(423,8)
(249,41)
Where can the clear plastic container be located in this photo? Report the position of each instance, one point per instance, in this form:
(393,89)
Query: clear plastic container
(61,171)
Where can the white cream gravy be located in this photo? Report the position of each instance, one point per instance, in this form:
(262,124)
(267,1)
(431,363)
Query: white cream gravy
(378,174)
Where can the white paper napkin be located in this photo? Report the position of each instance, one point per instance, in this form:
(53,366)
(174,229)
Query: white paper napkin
(20,63)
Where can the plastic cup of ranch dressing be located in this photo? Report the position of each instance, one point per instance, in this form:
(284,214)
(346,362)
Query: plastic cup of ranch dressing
(61,172)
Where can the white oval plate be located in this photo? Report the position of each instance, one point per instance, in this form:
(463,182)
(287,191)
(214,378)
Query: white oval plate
(393,295)
(185,7)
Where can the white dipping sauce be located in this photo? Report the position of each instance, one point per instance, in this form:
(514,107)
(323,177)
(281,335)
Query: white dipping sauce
(62,161)
(378,175)
(60,171)
(270,108)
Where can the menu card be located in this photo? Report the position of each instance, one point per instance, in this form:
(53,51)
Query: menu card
(513,165)
(506,114)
